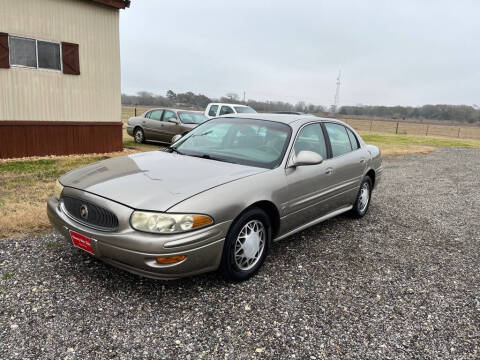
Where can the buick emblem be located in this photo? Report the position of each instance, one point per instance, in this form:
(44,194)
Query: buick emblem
(84,211)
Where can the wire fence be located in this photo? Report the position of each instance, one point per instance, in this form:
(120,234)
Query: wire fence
(377,126)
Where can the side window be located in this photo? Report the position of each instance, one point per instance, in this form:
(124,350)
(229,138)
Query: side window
(338,139)
(226,110)
(169,114)
(155,114)
(353,139)
(311,138)
(213,110)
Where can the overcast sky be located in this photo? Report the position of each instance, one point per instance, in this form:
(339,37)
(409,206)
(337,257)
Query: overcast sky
(404,52)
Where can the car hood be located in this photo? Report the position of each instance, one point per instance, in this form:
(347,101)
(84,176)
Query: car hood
(154,180)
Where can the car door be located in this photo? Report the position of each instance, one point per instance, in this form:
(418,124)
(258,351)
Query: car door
(154,124)
(308,185)
(171,126)
(348,164)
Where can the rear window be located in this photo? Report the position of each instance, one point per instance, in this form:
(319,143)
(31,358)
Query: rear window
(244,110)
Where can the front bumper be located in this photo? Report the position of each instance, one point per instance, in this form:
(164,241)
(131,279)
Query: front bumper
(136,251)
(130,130)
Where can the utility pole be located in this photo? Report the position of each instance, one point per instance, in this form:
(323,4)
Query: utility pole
(336,100)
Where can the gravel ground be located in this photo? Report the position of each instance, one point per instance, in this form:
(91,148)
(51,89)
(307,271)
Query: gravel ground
(401,283)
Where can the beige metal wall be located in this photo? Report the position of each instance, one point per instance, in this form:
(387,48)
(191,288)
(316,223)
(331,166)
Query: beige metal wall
(40,95)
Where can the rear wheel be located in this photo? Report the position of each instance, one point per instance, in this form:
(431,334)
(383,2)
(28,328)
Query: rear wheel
(139,136)
(362,201)
(246,245)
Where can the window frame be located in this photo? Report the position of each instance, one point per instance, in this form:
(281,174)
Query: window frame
(161,116)
(227,106)
(327,142)
(346,130)
(163,119)
(216,110)
(10,36)
(349,131)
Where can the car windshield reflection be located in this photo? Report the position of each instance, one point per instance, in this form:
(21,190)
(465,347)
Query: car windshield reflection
(249,142)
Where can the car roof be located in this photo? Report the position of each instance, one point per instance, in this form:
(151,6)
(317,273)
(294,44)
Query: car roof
(229,104)
(282,118)
(172,109)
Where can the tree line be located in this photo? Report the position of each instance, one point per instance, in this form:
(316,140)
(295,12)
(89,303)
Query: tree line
(462,113)
(200,101)
(459,113)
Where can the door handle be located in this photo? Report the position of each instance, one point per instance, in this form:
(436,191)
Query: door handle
(329,171)
(362,161)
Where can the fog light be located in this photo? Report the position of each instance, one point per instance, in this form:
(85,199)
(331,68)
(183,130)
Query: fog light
(166,260)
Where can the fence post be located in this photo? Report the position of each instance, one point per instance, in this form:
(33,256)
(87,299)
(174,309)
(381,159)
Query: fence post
(426,134)
(135,111)
(396,130)
(458,131)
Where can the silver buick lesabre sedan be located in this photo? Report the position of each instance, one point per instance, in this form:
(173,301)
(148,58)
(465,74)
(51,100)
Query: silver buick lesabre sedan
(163,124)
(218,197)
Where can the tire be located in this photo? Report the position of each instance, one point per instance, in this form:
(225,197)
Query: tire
(240,263)
(360,208)
(139,135)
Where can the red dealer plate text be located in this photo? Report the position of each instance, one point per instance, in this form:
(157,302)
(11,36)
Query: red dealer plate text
(81,241)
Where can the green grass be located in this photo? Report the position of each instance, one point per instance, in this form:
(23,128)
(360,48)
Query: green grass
(392,139)
(7,276)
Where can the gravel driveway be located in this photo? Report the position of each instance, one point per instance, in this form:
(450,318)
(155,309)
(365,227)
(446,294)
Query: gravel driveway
(404,282)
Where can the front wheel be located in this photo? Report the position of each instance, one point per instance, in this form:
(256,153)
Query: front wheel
(362,201)
(246,245)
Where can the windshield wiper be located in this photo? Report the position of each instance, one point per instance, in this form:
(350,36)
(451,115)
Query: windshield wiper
(202,134)
(209,157)
(175,150)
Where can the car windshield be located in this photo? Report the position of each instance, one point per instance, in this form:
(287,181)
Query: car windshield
(249,142)
(244,110)
(192,117)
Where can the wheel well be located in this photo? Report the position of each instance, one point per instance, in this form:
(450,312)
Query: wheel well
(272,213)
(137,127)
(371,174)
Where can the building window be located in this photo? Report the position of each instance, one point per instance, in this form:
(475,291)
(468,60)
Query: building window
(34,53)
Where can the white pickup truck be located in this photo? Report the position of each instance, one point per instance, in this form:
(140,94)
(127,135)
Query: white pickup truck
(217,109)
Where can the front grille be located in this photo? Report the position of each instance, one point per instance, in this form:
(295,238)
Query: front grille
(90,214)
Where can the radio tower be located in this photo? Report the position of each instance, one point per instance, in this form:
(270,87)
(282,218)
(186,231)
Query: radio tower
(336,100)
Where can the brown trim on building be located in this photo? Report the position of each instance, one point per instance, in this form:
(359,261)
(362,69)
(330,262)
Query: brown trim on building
(39,138)
(4,51)
(119,4)
(70,58)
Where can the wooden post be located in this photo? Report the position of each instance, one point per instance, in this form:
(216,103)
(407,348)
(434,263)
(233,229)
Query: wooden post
(458,131)
(135,111)
(396,130)
(426,134)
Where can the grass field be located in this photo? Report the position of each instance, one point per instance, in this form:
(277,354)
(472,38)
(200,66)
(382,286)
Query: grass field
(27,183)
(380,126)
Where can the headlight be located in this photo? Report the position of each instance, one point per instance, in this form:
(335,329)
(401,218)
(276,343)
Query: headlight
(168,223)
(58,190)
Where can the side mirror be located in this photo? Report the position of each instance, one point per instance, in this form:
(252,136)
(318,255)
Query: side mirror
(173,120)
(306,158)
(176,138)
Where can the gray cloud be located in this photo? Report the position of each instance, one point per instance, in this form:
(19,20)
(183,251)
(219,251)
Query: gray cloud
(390,52)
